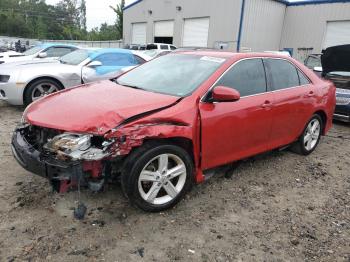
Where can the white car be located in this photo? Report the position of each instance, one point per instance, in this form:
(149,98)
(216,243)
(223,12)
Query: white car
(24,82)
(47,50)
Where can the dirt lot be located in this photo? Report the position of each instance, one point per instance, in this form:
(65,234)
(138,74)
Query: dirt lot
(276,207)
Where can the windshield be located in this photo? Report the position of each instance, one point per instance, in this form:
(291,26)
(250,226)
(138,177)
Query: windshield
(33,50)
(75,58)
(177,75)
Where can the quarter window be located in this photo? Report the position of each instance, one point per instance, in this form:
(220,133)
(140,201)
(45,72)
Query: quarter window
(281,73)
(302,79)
(247,77)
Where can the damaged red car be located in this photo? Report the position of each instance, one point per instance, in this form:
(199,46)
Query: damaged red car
(166,124)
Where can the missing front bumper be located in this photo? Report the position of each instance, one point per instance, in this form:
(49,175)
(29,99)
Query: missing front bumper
(62,175)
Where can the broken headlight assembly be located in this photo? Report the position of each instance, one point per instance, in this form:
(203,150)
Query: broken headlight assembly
(78,147)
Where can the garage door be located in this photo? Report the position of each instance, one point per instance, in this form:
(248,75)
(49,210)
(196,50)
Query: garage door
(164,29)
(139,33)
(196,31)
(338,33)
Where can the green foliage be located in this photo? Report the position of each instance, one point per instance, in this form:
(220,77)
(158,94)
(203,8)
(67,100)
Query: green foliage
(66,20)
(119,22)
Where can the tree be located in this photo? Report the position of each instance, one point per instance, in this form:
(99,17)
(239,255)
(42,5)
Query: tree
(82,15)
(65,20)
(119,22)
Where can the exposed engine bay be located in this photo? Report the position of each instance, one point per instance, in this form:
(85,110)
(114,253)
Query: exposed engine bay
(68,159)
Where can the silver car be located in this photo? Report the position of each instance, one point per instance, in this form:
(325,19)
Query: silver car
(23,83)
(38,52)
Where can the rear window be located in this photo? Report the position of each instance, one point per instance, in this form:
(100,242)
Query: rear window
(151,46)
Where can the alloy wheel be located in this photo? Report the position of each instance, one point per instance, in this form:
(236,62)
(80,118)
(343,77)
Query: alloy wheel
(312,134)
(42,90)
(162,179)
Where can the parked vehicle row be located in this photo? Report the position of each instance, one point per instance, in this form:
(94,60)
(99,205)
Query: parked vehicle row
(164,125)
(26,81)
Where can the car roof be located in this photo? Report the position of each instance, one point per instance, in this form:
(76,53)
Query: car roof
(96,52)
(46,45)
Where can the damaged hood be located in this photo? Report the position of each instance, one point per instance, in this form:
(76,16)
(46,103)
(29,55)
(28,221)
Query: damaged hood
(94,108)
(336,58)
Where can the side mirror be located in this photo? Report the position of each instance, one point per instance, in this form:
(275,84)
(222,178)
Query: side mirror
(42,55)
(317,69)
(94,64)
(225,94)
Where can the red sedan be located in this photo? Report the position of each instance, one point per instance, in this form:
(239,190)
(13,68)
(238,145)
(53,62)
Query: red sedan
(164,125)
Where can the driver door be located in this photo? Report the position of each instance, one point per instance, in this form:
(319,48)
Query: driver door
(235,130)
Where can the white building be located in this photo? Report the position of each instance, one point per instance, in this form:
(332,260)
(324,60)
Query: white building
(247,25)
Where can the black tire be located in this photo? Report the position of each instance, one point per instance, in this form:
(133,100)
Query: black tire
(135,163)
(299,146)
(30,88)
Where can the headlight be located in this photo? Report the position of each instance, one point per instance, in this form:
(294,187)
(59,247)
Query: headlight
(76,147)
(4,78)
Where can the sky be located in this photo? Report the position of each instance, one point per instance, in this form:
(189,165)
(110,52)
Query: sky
(98,11)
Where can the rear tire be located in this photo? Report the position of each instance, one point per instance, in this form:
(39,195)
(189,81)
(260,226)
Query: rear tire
(40,88)
(156,176)
(310,137)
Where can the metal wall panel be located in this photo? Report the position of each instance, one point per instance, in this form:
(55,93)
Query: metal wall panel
(305,26)
(224,18)
(262,25)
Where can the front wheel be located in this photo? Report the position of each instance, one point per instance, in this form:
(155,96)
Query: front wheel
(39,89)
(156,177)
(310,138)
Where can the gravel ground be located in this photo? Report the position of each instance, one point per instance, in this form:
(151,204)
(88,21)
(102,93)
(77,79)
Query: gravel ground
(278,206)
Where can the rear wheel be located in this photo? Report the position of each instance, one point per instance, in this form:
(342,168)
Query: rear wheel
(310,138)
(156,177)
(39,89)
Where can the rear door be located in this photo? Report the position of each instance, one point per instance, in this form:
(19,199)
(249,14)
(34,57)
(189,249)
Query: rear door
(294,100)
(235,130)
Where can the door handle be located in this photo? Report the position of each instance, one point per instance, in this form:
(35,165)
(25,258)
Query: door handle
(266,104)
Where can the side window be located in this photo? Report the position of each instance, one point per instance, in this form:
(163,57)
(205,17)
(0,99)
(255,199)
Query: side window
(302,79)
(164,47)
(139,60)
(113,59)
(247,77)
(281,74)
(172,47)
(58,51)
